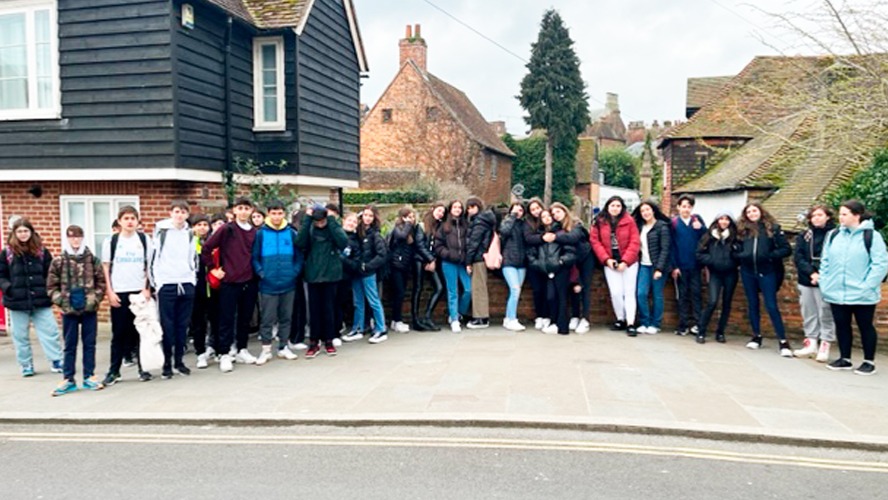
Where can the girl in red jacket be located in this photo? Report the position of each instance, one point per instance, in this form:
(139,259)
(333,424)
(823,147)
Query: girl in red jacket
(615,241)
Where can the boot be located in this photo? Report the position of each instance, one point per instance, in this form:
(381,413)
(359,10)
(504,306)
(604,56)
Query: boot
(430,325)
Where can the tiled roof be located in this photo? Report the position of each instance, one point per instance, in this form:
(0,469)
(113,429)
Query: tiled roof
(267,14)
(704,89)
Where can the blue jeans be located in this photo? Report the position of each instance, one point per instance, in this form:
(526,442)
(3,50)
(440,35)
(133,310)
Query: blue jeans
(515,279)
(79,327)
(367,287)
(648,285)
(455,275)
(47,333)
(767,284)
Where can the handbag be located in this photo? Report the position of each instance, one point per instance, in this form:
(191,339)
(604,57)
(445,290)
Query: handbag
(493,259)
(76,295)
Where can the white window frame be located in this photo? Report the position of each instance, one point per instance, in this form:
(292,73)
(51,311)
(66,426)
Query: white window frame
(89,229)
(259,123)
(29,7)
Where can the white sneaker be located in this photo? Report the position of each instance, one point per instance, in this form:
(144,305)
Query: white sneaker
(652,330)
(574,322)
(400,327)
(550,329)
(583,326)
(513,325)
(454,327)
(202,360)
(823,353)
(785,351)
(352,336)
(297,347)
(538,324)
(546,322)
(808,350)
(210,352)
(244,357)
(377,338)
(286,353)
(264,356)
(225,364)
(337,342)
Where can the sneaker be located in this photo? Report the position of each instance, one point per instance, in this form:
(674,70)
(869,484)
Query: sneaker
(352,336)
(840,364)
(695,330)
(330,349)
(264,356)
(28,371)
(56,367)
(574,323)
(90,384)
(701,339)
(244,357)
(682,332)
(226,363)
(538,324)
(210,352)
(145,377)
(652,330)
(203,360)
(546,322)
(513,325)
(67,386)
(286,353)
(720,338)
(823,352)
(785,349)
(378,338)
(110,379)
(301,346)
(128,361)
(181,369)
(808,350)
(454,327)
(166,374)
(618,326)
(755,342)
(400,327)
(866,368)
(583,326)
(337,342)
(632,331)
(550,329)
(478,323)
(313,351)
(642,329)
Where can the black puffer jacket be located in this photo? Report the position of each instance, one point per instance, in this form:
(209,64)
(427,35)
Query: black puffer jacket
(422,249)
(512,242)
(450,246)
(578,237)
(478,238)
(23,281)
(351,256)
(658,240)
(763,254)
(372,254)
(549,258)
(808,248)
(400,248)
(717,253)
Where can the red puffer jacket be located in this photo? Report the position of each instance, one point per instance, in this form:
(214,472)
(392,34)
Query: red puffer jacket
(627,239)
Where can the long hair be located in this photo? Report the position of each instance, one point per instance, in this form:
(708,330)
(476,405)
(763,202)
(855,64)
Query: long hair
(449,220)
(403,213)
(658,214)
(363,229)
(748,229)
(533,222)
(603,214)
(568,223)
(474,201)
(33,246)
(429,222)
(732,227)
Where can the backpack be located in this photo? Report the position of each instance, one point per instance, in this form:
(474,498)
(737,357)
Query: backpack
(493,258)
(142,238)
(867,243)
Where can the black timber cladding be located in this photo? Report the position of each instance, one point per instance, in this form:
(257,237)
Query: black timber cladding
(116,91)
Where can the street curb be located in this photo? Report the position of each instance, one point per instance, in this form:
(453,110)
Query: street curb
(873,444)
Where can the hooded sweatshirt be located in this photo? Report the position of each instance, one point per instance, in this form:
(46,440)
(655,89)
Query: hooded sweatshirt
(174,260)
(276,260)
(76,269)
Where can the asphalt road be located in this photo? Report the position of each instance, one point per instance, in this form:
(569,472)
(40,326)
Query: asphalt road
(108,462)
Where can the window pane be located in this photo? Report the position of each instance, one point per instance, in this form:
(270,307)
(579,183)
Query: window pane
(12,29)
(96,245)
(44,93)
(13,62)
(77,213)
(14,94)
(101,216)
(44,60)
(269,113)
(41,26)
(269,59)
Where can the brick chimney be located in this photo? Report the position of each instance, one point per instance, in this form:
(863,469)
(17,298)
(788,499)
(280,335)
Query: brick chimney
(499,127)
(413,47)
(612,102)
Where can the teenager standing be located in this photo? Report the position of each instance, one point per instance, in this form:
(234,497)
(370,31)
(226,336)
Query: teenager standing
(401,250)
(687,229)
(716,253)
(533,238)
(817,319)
(450,247)
(514,262)
(428,268)
(655,238)
(576,235)
(616,243)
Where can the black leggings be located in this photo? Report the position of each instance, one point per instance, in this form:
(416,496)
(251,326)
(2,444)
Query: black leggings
(538,286)
(720,284)
(586,268)
(864,314)
(436,278)
(557,295)
(398,287)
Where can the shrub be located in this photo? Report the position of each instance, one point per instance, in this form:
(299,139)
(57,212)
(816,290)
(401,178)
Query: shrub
(384,197)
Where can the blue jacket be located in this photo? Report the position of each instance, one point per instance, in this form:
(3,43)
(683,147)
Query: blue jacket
(848,275)
(684,242)
(276,260)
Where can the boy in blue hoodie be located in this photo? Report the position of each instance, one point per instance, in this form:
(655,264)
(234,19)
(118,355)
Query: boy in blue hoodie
(277,262)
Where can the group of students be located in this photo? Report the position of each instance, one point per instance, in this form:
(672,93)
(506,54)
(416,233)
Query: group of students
(210,275)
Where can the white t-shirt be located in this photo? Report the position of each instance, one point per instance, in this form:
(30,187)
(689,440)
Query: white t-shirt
(128,269)
(645,250)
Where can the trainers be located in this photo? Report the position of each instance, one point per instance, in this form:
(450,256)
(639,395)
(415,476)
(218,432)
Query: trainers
(337,342)
(67,386)
(400,327)
(755,342)
(720,338)
(454,327)
(28,371)
(264,356)
(642,329)
(128,361)
(866,368)
(574,323)
(538,324)
(632,331)
(378,338)
(111,379)
(682,332)
(286,353)
(583,326)
(90,384)
(808,350)
(550,329)
(313,351)
(183,370)
(301,346)
(695,330)
(203,360)
(840,364)
(226,364)
(244,357)
(785,349)
(352,336)
(210,352)
(56,366)
(701,339)
(619,325)
(478,323)
(513,325)
(330,349)
(652,330)
(823,352)
(145,377)
(167,373)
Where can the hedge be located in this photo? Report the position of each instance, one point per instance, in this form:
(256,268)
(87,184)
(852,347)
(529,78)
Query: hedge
(384,197)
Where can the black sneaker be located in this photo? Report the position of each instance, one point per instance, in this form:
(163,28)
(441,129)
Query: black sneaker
(145,377)
(478,323)
(682,332)
(695,330)
(618,326)
(183,370)
(866,368)
(720,338)
(166,374)
(111,379)
(755,342)
(701,339)
(842,364)
(632,331)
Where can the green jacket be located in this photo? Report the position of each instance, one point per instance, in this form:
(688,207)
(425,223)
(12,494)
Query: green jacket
(321,248)
(70,270)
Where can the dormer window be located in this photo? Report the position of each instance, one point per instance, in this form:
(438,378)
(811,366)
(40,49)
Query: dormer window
(269,106)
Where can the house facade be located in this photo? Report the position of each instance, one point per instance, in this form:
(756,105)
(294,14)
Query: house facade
(424,127)
(142,102)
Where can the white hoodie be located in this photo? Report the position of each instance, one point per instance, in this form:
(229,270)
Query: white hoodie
(175,260)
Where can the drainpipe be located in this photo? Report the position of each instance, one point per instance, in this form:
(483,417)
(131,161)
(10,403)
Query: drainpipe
(229,150)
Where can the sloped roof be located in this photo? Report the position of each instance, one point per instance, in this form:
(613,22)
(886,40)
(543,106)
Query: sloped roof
(704,89)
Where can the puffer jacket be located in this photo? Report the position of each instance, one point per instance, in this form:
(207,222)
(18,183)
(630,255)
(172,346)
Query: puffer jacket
(422,247)
(763,254)
(481,228)
(79,269)
(848,274)
(512,237)
(450,246)
(400,250)
(351,256)
(549,258)
(372,254)
(628,240)
(276,260)
(579,238)
(659,244)
(23,281)
(808,249)
(716,252)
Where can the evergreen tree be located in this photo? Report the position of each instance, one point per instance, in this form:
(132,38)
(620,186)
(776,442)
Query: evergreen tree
(553,93)
(530,153)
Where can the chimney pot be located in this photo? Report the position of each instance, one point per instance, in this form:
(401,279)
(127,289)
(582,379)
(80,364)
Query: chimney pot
(409,32)
(413,48)
(417,32)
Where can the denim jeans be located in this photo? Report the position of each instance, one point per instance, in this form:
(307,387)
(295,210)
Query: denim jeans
(47,333)
(515,279)
(456,275)
(647,285)
(80,327)
(367,287)
(767,284)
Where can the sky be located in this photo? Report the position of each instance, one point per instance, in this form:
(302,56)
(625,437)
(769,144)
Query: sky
(642,50)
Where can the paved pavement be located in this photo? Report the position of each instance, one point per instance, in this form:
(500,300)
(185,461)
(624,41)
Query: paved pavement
(600,381)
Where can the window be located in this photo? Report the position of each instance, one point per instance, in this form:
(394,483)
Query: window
(482,164)
(387,115)
(29,70)
(494,166)
(268,84)
(432,114)
(95,215)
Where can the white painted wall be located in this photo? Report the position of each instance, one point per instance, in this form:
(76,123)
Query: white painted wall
(711,204)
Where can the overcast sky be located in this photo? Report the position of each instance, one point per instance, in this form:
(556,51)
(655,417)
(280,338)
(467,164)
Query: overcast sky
(643,50)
